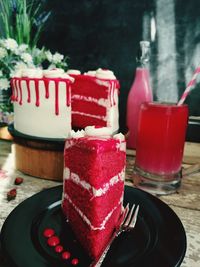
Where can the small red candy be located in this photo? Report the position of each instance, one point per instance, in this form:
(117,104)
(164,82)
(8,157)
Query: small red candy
(11,194)
(75,261)
(18,180)
(59,249)
(48,232)
(53,241)
(66,255)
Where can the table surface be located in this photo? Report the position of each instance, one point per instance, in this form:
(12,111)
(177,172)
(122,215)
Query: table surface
(185,202)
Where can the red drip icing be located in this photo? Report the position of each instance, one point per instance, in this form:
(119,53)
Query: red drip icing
(37,103)
(68,94)
(20,92)
(13,90)
(28,90)
(16,88)
(46,85)
(56,97)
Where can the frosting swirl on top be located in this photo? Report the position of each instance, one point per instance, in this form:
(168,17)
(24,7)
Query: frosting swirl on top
(53,73)
(91,73)
(105,74)
(32,73)
(73,72)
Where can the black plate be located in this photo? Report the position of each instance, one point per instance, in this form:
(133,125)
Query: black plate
(158,239)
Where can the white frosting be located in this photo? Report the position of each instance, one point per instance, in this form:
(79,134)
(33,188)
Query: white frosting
(78,134)
(91,73)
(66,76)
(74,72)
(103,131)
(105,74)
(32,73)
(36,121)
(119,136)
(86,220)
(95,192)
(53,73)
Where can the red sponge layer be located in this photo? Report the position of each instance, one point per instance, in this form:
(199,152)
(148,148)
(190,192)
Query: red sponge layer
(92,241)
(97,165)
(93,205)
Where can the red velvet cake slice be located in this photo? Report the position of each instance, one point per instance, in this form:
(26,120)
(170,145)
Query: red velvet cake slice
(95,99)
(94,170)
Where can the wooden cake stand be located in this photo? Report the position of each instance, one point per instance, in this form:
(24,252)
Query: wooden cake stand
(38,157)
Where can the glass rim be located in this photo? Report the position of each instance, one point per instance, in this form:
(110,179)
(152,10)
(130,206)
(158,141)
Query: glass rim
(164,104)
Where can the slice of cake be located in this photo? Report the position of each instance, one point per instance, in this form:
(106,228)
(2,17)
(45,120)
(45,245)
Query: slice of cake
(42,102)
(95,99)
(94,170)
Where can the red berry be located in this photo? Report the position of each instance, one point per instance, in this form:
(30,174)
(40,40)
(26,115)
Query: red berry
(53,241)
(75,261)
(66,255)
(18,181)
(12,194)
(48,232)
(59,249)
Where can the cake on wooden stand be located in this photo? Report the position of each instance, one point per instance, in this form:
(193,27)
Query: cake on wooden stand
(43,117)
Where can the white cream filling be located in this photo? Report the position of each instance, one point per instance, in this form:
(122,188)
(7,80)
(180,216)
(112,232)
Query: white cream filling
(101,102)
(85,219)
(95,192)
(89,115)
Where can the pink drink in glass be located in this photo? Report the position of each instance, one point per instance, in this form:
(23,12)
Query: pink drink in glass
(160,142)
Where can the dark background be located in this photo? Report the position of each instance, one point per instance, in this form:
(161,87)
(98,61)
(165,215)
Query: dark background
(106,34)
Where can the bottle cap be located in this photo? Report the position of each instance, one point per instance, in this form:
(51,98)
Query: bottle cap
(143,52)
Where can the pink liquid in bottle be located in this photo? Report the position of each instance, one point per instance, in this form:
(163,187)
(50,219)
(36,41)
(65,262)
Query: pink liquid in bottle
(140,92)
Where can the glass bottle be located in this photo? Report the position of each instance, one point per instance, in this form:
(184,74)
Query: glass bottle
(140,92)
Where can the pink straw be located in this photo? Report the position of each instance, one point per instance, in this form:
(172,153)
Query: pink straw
(189,86)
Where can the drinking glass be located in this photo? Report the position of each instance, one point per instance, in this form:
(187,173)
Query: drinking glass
(159,147)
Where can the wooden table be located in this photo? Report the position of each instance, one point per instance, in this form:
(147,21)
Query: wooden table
(186,202)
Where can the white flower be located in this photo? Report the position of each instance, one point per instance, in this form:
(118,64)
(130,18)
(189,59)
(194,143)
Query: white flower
(3,52)
(10,44)
(49,56)
(4,84)
(57,58)
(27,58)
(20,49)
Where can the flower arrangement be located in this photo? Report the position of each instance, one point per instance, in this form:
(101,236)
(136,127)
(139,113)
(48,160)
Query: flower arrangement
(21,24)
(14,57)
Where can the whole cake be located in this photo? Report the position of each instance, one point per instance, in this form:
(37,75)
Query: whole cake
(42,102)
(93,189)
(95,99)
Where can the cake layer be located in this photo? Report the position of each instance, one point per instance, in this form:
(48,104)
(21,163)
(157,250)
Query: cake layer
(107,197)
(95,100)
(91,159)
(82,120)
(88,107)
(84,86)
(94,241)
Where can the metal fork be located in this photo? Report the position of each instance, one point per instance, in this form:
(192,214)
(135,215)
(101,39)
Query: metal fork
(127,222)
